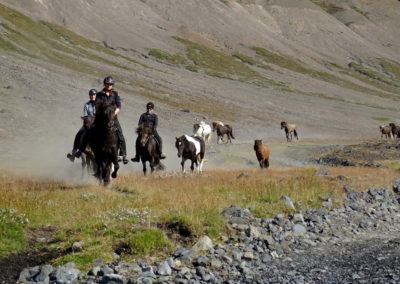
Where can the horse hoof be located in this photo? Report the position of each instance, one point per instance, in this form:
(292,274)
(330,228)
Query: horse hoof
(114,175)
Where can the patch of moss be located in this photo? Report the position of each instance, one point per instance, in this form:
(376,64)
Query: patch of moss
(327,7)
(360,11)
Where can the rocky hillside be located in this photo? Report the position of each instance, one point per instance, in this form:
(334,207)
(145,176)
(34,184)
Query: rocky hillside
(332,67)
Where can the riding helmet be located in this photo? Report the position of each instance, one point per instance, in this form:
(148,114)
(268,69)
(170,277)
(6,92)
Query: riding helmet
(109,80)
(150,105)
(92,92)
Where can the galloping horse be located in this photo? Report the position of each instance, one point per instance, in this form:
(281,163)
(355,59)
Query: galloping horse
(148,149)
(215,124)
(386,130)
(289,129)
(192,148)
(103,140)
(202,130)
(88,159)
(262,153)
(224,130)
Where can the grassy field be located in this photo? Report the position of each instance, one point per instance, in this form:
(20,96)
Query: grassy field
(147,216)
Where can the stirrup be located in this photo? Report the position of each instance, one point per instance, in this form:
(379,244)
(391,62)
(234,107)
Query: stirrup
(135,159)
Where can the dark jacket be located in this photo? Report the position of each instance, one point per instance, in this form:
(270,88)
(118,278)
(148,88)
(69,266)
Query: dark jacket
(101,96)
(149,120)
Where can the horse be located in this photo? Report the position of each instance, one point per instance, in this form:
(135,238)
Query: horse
(87,158)
(202,130)
(289,129)
(103,140)
(386,130)
(395,130)
(224,130)
(193,148)
(262,153)
(148,149)
(215,124)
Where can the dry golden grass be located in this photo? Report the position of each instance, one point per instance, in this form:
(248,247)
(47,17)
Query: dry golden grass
(106,217)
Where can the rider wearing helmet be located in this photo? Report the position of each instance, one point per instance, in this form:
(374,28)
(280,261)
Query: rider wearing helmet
(111,96)
(88,110)
(149,119)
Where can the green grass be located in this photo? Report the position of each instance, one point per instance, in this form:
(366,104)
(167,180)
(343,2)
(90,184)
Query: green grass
(216,63)
(174,59)
(12,226)
(382,118)
(149,241)
(368,72)
(295,66)
(327,7)
(360,11)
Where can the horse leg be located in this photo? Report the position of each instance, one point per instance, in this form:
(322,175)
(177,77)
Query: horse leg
(192,165)
(183,165)
(106,173)
(144,167)
(84,164)
(116,167)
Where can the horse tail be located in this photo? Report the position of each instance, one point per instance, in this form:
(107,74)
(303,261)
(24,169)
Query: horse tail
(231,134)
(295,133)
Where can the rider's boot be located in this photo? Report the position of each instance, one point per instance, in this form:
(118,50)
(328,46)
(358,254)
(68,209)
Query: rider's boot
(71,156)
(136,158)
(77,154)
(162,156)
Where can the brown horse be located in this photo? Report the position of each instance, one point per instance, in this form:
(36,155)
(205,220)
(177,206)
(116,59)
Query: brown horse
(224,130)
(386,130)
(290,129)
(262,153)
(87,158)
(395,130)
(215,124)
(148,149)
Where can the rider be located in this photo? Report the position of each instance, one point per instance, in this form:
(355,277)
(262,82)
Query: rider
(109,95)
(88,110)
(149,119)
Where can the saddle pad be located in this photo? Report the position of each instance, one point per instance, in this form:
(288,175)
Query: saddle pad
(195,142)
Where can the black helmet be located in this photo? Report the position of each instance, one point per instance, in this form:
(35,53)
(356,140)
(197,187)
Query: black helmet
(150,105)
(109,80)
(92,92)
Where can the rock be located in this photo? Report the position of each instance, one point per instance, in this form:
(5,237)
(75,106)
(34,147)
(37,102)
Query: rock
(203,244)
(113,279)
(288,202)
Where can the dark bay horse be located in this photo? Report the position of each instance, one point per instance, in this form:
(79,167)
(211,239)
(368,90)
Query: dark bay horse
(103,140)
(87,158)
(148,149)
(289,129)
(192,148)
(224,130)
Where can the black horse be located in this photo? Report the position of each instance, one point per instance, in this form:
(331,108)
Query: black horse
(193,148)
(88,160)
(148,149)
(103,140)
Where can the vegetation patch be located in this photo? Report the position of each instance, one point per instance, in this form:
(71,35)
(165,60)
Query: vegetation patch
(217,64)
(174,59)
(381,118)
(327,7)
(360,11)
(148,242)
(372,74)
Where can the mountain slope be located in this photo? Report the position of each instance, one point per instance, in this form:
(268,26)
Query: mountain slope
(333,67)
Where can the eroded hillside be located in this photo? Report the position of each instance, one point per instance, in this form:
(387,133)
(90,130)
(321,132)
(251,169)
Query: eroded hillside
(333,67)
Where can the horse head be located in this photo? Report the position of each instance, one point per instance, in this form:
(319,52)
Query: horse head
(179,145)
(196,126)
(87,121)
(283,124)
(105,114)
(257,143)
(144,134)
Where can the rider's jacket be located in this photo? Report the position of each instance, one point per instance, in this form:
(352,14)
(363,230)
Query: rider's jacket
(101,96)
(148,120)
(89,109)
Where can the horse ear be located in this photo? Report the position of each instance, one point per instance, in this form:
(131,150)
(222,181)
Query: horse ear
(176,138)
(82,117)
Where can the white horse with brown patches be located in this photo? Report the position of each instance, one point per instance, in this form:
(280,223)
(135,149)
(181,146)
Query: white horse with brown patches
(290,129)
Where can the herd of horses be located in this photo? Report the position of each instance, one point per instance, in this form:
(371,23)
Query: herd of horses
(101,154)
(390,131)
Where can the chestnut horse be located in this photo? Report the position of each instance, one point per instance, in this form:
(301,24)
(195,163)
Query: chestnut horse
(289,129)
(262,153)
(386,130)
